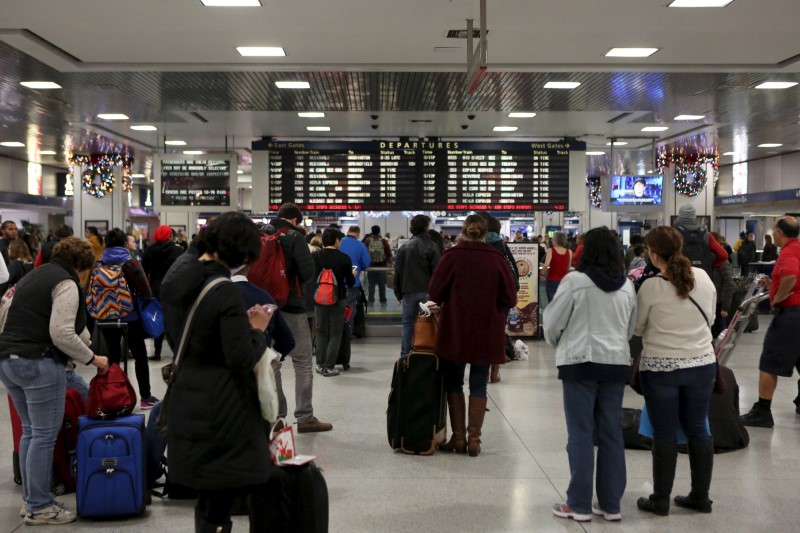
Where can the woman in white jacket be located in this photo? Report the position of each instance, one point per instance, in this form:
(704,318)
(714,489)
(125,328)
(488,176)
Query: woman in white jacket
(589,323)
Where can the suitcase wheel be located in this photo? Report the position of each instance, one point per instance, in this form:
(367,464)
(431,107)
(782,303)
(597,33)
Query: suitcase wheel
(17,480)
(59,489)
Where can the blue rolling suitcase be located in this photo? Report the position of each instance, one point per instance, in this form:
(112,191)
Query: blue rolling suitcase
(111,467)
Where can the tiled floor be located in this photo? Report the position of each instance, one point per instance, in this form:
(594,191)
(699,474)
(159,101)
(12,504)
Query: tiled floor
(522,471)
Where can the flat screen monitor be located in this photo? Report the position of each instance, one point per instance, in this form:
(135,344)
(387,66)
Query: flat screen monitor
(635,191)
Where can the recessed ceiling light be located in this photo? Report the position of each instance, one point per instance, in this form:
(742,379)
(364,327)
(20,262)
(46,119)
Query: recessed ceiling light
(193,152)
(318,128)
(240,171)
(700,3)
(595,153)
(311,114)
(561,84)
(505,128)
(113,116)
(617,143)
(521,115)
(655,128)
(776,85)
(48,152)
(144,127)
(631,52)
(292,85)
(137,175)
(729,153)
(175,143)
(12,144)
(261,51)
(40,84)
(770,145)
(690,117)
(231,3)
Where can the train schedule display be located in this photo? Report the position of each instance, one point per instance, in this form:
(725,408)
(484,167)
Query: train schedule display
(413,175)
(195,183)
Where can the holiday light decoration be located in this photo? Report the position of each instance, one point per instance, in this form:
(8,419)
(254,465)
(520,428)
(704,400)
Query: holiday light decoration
(98,178)
(690,168)
(595,192)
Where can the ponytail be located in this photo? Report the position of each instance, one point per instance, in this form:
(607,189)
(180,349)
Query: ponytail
(679,271)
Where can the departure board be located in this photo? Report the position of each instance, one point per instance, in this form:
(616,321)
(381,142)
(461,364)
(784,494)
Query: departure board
(420,175)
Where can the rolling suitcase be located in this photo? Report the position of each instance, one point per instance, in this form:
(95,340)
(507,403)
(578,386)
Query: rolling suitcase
(309,499)
(65,447)
(344,349)
(111,467)
(727,430)
(417,411)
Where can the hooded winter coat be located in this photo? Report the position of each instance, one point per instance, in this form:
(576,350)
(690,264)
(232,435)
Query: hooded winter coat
(217,438)
(474,286)
(156,261)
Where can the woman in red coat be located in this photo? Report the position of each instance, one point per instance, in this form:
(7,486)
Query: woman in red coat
(473,285)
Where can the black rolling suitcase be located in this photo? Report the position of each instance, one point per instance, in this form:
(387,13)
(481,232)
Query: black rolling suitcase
(360,320)
(344,349)
(723,417)
(309,498)
(417,411)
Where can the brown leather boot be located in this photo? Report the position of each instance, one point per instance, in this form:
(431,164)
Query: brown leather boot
(477,410)
(494,377)
(458,421)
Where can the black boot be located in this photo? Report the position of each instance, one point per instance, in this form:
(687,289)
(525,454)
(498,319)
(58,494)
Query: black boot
(198,520)
(665,457)
(797,399)
(701,459)
(758,417)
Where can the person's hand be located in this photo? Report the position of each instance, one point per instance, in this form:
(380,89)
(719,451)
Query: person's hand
(435,308)
(400,301)
(723,314)
(101,362)
(258,317)
(765,282)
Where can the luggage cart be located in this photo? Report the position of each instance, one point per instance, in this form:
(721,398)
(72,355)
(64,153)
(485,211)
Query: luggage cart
(725,343)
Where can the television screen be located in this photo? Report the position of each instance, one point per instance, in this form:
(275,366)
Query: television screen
(636,190)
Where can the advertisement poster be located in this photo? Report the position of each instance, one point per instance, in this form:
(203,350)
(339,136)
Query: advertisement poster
(523,320)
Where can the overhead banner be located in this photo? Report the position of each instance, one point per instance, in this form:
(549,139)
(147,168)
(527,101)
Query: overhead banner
(523,320)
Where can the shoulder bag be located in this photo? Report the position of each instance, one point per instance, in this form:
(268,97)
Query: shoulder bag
(720,386)
(170,371)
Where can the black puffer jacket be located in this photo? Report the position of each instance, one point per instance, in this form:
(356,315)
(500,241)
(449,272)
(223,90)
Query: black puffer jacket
(156,261)
(298,262)
(217,438)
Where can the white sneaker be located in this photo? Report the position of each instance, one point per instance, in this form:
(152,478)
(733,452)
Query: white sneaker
(611,517)
(55,514)
(563,511)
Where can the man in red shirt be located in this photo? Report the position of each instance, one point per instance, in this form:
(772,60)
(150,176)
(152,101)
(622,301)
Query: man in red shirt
(780,354)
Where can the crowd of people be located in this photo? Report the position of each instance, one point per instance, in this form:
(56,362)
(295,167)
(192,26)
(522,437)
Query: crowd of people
(673,304)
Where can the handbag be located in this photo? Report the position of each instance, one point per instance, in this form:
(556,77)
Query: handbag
(424,339)
(111,394)
(266,385)
(151,317)
(720,386)
(170,371)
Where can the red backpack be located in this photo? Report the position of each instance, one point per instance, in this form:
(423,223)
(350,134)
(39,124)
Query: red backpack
(327,292)
(269,271)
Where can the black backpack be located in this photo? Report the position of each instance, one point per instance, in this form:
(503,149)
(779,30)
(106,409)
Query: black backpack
(697,248)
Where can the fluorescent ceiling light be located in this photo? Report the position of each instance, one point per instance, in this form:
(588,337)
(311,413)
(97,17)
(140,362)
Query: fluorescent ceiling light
(193,152)
(292,85)
(770,145)
(617,143)
(730,153)
(318,128)
(40,84)
(521,115)
(505,128)
(48,152)
(700,3)
(595,153)
(12,144)
(655,128)
(240,171)
(137,175)
(561,84)
(144,127)
(113,116)
(776,85)
(231,3)
(261,51)
(631,52)
(311,114)
(690,117)
(175,143)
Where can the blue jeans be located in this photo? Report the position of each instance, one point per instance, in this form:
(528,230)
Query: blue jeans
(38,388)
(411,301)
(679,397)
(377,279)
(594,408)
(77,382)
(551,287)
(454,378)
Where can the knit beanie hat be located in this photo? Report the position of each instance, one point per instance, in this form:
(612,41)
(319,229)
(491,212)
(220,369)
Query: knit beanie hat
(163,233)
(687,216)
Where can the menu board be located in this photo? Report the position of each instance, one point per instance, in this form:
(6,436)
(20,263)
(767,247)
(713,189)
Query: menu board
(420,175)
(196,182)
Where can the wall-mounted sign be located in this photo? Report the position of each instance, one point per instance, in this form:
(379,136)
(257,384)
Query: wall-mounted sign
(186,183)
(785,195)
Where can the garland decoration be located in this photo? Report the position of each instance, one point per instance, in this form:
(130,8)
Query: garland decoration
(97,179)
(689,163)
(595,192)
(690,178)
